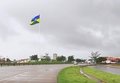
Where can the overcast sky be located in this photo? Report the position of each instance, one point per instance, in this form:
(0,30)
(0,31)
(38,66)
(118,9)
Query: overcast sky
(68,27)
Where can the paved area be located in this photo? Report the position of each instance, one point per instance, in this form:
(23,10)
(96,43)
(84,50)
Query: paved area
(30,74)
(106,68)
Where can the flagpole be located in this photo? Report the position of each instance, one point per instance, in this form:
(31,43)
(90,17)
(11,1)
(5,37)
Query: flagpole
(36,20)
(39,32)
(39,25)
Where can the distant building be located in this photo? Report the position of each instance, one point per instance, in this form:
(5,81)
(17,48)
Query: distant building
(3,59)
(112,59)
(23,61)
(89,61)
(54,56)
(108,61)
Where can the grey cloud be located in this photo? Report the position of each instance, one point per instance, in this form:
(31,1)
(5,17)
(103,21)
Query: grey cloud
(94,15)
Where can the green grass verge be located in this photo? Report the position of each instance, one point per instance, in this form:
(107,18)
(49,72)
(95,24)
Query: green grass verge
(72,75)
(107,77)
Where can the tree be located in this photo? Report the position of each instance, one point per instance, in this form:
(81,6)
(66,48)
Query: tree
(61,58)
(34,57)
(8,60)
(70,58)
(94,56)
(101,59)
(46,58)
(78,60)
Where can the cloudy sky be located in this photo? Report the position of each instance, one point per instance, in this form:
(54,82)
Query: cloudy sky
(68,27)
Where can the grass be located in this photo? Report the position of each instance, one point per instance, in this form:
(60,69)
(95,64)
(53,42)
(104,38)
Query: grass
(107,77)
(72,75)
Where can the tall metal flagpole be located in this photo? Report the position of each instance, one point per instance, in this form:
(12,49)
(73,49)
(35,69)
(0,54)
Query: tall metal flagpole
(36,20)
(39,25)
(39,33)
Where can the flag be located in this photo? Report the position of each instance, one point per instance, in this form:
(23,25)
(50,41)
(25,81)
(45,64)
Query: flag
(35,20)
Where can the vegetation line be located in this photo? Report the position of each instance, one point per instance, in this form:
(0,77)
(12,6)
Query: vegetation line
(104,76)
(90,76)
(72,75)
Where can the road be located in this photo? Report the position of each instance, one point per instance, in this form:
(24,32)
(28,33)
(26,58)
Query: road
(30,73)
(110,69)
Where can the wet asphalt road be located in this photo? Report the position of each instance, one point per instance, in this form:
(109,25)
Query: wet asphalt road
(109,69)
(30,73)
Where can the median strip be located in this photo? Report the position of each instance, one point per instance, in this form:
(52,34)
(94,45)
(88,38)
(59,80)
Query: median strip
(72,75)
(90,76)
(104,76)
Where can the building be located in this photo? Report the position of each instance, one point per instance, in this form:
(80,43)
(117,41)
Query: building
(23,61)
(113,59)
(89,61)
(54,56)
